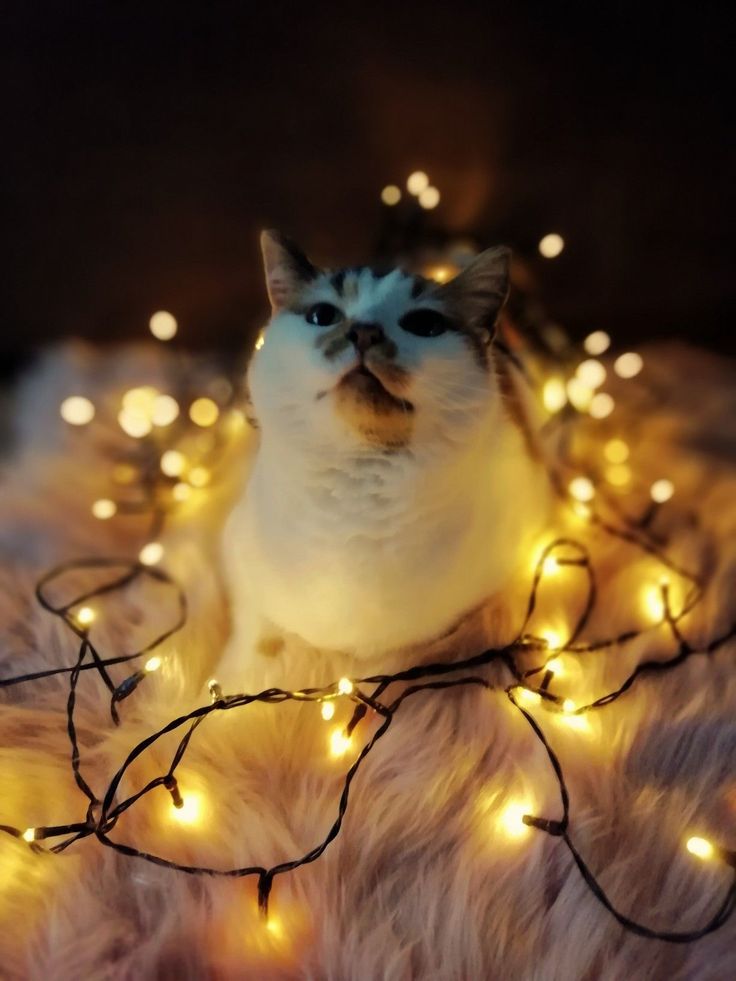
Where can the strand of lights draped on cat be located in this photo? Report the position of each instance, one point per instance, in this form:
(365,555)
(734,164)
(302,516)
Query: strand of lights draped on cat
(167,477)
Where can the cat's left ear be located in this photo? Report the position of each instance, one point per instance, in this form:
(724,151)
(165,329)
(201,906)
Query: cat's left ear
(480,290)
(287,269)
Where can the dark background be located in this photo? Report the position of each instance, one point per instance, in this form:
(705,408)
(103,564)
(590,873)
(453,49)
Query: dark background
(146,145)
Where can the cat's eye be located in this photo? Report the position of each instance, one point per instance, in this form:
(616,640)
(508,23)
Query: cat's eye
(323,315)
(425,323)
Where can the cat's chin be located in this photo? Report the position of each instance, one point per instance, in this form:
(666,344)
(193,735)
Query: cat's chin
(373,412)
(371,390)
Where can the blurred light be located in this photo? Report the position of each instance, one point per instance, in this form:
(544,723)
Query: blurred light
(662,490)
(29,835)
(597,343)
(627,365)
(550,566)
(551,245)
(190,811)
(181,491)
(601,405)
(260,341)
(555,665)
(199,476)
(77,410)
(581,488)
(417,182)
(581,510)
(124,473)
(152,664)
(339,742)
(653,602)
(85,616)
(151,553)
(569,717)
(619,474)
(140,400)
(164,410)
(554,395)
(173,463)
(696,846)
(528,697)
(580,395)
(591,373)
(511,819)
(391,194)
(616,451)
(275,927)
(429,198)
(345,686)
(104,508)
(554,641)
(135,424)
(441,274)
(162,325)
(328,710)
(203,412)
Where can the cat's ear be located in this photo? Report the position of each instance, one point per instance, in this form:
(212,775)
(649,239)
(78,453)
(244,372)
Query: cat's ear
(286,267)
(480,290)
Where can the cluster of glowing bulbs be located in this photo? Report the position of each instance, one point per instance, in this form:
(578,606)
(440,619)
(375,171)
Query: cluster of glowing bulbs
(417,184)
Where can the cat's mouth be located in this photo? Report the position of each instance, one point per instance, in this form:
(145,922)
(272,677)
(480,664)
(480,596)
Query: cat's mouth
(372,390)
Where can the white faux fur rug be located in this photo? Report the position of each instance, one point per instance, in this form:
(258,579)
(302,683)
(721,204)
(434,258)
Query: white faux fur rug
(423,882)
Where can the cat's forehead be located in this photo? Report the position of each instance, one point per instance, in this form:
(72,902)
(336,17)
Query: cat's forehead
(358,288)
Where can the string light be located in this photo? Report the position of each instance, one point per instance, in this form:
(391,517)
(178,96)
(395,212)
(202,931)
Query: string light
(579,394)
(134,424)
(510,819)
(151,553)
(529,697)
(181,491)
(417,182)
(597,343)
(85,616)
(328,710)
(164,411)
(601,405)
(616,451)
(29,835)
(190,809)
(199,477)
(77,410)
(104,508)
(345,686)
(173,463)
(700,847)
(153,664)
(554,395)
(551,245)
(628,365)
(618,475)
(591,373)
(551,566)
(391,195)
(661,491)
(203,412)
(163,325)
(429,198)
(582,489)
(339,742)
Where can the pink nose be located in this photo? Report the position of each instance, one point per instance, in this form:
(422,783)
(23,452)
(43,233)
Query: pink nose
(364,336)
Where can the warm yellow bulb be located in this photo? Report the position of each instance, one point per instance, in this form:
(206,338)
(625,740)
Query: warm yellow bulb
(191,810)
(597,343)
(134,423)
(550,566)
(104,508)
(151,553)
(77,410)
(555,665)
(85,616)
(627,365)
(653,602)
(554,395)
(199,477)
(573,721)
(429,198)
(601,405)
(203,412)
(140,399)
(551,245)
(616,451)
(511,819)
(700,847)
(163,325)
(581,510)
(582,489)
(173,463)
(618,475)
(164,410)
(345,686)
(391,195)
(328,710)
(662,490)
(528,697)
(29,835)
(417,182)
(591,373)
(579,394)
(339,742)
(152,664)
(275,927)
(568,706)
(181,491)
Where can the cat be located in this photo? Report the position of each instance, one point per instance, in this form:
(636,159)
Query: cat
(391,490)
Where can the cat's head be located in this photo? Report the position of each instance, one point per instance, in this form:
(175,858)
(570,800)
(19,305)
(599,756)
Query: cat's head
(385,360)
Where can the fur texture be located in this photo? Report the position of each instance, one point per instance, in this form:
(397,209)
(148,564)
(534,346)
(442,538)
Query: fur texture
(421,883)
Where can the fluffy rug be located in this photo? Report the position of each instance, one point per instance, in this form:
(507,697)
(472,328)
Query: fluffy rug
(424,881)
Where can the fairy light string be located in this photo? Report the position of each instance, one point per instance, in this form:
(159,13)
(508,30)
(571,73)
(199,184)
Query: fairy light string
(367,694)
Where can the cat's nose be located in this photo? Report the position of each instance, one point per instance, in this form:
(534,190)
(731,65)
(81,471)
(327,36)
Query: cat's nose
(364,336)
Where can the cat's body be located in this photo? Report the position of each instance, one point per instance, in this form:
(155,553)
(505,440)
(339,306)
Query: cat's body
(391,492)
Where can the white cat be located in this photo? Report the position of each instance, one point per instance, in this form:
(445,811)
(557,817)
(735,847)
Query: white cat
(391,491)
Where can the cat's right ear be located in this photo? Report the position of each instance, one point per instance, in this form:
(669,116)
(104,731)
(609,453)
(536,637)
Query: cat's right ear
(287,269)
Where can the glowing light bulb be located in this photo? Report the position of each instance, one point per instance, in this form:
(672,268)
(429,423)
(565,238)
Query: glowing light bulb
(29,835)
(163,325)
(417,182)
(134,424)
(581,509)
(553,640)
(661,491)
(555,665)
(627,365)
(619,475)
(203,412)
(391,195)
(275,927)
(164,410)
(77,410)
(440,274)
(260,341)
(551,245)
(597,343)
(616,451)
(199,477)
(700,847)
(579,394)
(151,553)
(601,405)
(528,697)
(582,489)
(104,508)
(550,566)
(173,463)
(554,395)
(124,473)
(85,616)
(140,399)
(345,686)
(652,602)
(328,710)
(339,742)
(572,720)
(190,811)
(591,373)
(152,664)
(429,198)
(510,819)
(181,491)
